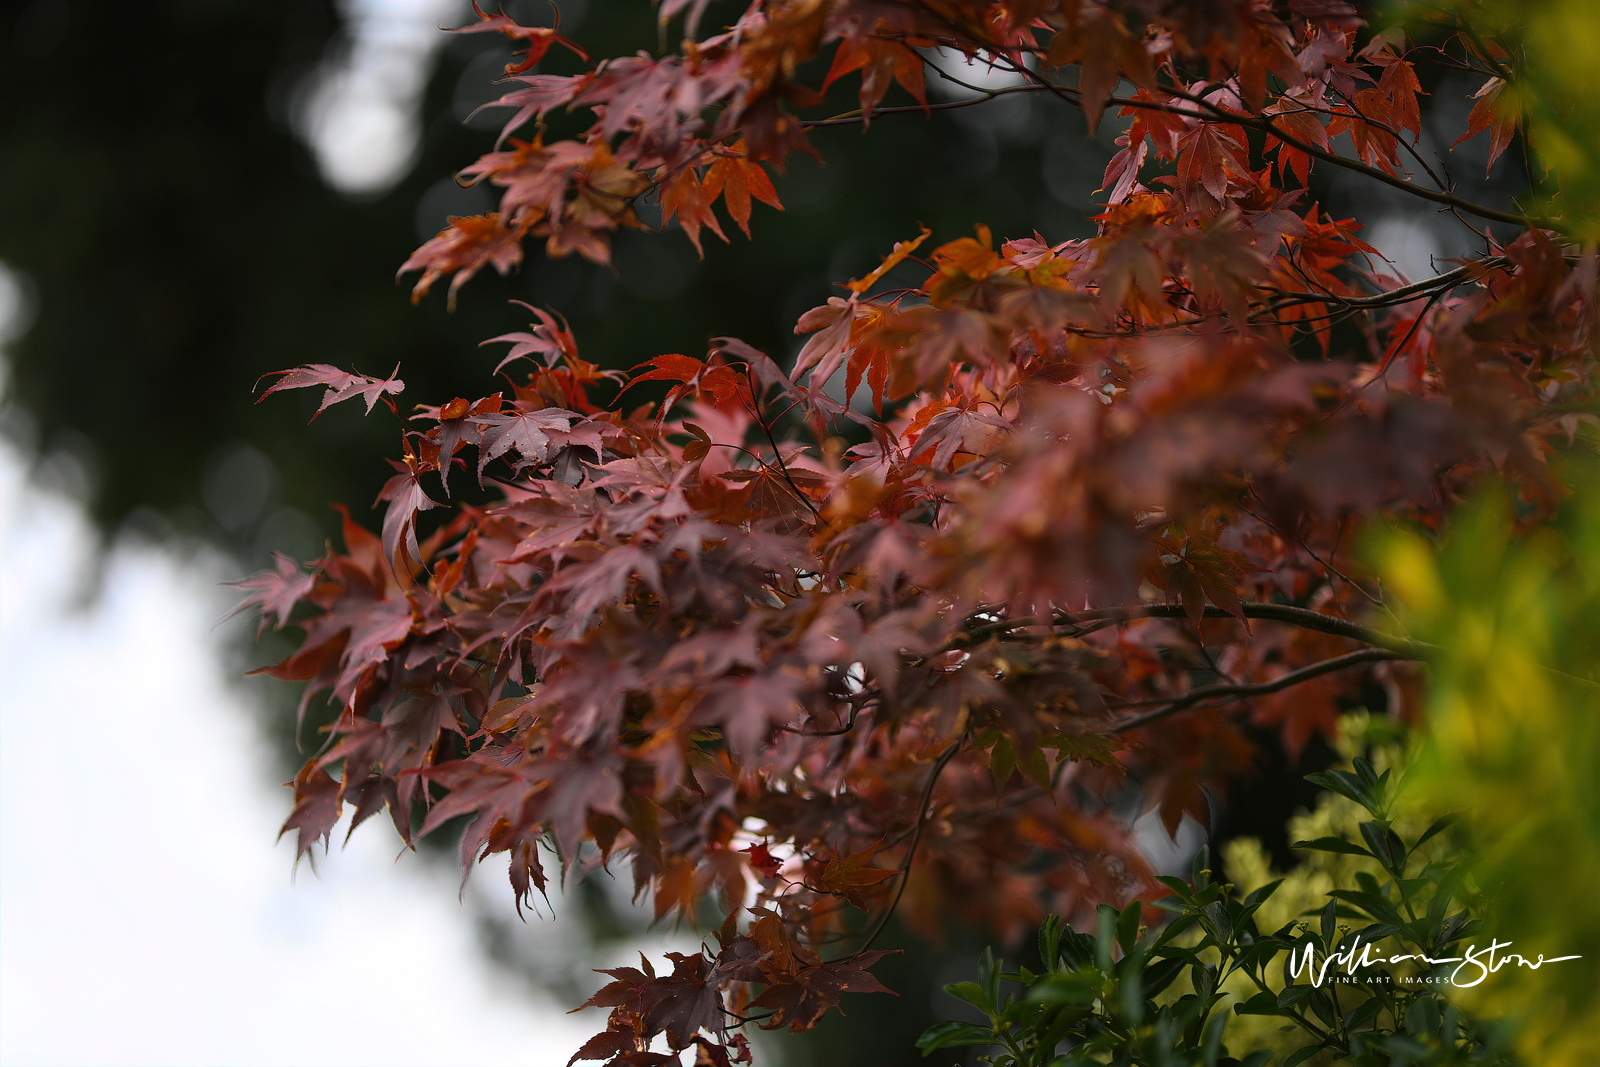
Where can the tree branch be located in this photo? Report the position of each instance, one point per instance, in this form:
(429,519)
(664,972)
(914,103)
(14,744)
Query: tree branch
(916,836)
(1302,617)
(1239,691)
(1211,112)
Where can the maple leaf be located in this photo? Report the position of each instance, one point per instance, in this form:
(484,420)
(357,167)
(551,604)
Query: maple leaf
(664,634)
(274,593)
(1209,156)
(539,39)
(879,60)
(775,493)
(544,94)
(1495,112)
(1304,126)
(340,385)
(525,432)
(317,804)
(802,997)
(1106,52)
(550,338)
(465,246)
(763,860)
(621,1038)
(737,179)
(672,367)
(1223,263)
(406,498)
(1202,570)
(901,250)
(684,195)
(680,1004)
(849,875)
(1094,748)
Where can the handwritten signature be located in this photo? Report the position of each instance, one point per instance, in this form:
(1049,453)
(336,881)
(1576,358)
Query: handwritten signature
(1483,959)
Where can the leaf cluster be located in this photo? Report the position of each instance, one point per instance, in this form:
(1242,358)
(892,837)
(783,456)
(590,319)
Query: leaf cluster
(1128,995)
(1022,521)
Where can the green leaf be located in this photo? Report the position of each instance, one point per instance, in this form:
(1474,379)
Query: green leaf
(952,1034)
(1293,995)
(1212,1040)
(973,994)
(1179,887)
(1204,980)
(1371,903)
(1386,846)
(1076,987)
(1378,931)
(1260,896)
(1077,950)
(1332,844)
(1363,1014)
(1422,1018)
(1263,1003)
(1350,786)
(1066,1019)
(1050,941)
(1176,927)
(989,977)
(1161,974)
(1255,956)
(1104,935)
(1441,823)
(1300,1055)
(1128,926)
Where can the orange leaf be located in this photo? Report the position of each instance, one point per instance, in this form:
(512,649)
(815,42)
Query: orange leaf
(849,875)
(737,179)
(879,59)
(902,249)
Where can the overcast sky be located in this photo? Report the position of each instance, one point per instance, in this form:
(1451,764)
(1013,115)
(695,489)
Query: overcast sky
(146,915)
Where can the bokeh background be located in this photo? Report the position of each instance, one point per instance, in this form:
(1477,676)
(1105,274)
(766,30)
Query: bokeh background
(196,192)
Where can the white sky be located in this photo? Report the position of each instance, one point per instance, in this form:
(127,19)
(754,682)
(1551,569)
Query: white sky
(146,916)
(361,118)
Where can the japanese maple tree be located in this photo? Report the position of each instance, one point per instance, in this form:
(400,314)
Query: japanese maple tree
(884,629)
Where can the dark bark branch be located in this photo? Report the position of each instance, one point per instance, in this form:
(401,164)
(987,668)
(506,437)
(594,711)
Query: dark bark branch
(1239,691)
(1210,112)
(1402,295)
(1302,617)
(916,836)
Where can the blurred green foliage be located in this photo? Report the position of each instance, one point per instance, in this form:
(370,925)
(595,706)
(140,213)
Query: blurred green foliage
(1226,982)
(1546,52)
(1514,742)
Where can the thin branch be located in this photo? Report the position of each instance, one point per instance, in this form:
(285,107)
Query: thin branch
(1391,297)
(1302,617)
(856,118)
(916,837)
(1240,691)
(1265,124)
(1212,112)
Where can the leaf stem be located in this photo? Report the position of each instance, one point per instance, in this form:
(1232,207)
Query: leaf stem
(916,837)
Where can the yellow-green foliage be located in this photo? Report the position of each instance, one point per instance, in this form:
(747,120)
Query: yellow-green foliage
(1305,887)
(1551,50)
(1514,742)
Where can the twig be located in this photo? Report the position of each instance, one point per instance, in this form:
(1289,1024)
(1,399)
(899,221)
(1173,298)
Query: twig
(1215,692)
(916,836)
(1302,617)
